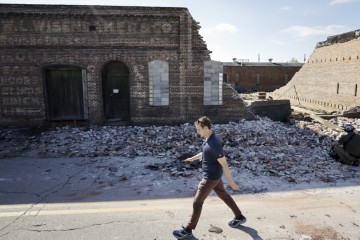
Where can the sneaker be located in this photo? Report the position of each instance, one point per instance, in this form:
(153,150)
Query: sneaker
(182,234)
(237,222)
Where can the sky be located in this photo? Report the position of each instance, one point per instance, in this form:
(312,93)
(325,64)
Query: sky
(254,30)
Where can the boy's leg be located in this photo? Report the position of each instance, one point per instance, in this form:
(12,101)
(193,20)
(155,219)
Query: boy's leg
(204,189)
(223,195)
(229,201)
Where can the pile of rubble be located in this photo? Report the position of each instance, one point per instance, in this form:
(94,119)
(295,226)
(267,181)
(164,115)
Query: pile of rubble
(296,151)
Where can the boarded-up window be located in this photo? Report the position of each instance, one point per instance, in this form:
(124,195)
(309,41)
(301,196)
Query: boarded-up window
(158,83)
(65,91)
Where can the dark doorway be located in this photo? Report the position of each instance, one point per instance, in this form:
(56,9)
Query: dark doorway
(116,91)
(66,93)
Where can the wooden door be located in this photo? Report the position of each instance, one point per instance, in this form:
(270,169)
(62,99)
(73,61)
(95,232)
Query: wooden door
(65,94)
(116,97)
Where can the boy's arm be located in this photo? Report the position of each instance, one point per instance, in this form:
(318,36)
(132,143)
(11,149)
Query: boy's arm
(193,158)
(227,173)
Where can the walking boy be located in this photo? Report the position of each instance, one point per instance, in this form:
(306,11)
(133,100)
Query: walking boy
(214,165)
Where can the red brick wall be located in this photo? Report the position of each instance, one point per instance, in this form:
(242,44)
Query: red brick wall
(272,75)
(33,37)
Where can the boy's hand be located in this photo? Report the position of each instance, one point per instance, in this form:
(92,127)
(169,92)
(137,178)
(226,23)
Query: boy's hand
(234,186)
(188,161)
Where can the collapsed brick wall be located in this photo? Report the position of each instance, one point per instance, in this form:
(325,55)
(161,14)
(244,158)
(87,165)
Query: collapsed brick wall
(33,37)
(329,80)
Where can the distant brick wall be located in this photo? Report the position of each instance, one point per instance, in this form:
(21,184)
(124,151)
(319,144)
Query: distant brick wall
(34,37)
(250,77)
(330,79)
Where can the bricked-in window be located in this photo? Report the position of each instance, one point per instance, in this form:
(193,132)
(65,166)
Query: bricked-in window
(159,83)
(286,78)
(257,79)
(213,83)
(237,78)
(225,78)
(92,28)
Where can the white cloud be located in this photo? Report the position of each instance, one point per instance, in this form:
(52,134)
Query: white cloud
(302,32)
(220,28)
(336,2)
(285,8)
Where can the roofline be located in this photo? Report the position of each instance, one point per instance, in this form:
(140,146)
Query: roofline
(256,64)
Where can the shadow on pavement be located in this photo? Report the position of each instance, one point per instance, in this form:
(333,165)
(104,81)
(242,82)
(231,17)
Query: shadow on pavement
(193,238)
(252,232)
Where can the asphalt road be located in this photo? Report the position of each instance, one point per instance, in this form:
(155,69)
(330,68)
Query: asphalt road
(74,199)
(311,214)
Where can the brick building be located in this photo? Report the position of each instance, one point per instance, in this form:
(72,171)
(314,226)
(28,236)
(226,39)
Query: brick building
(259,76)
(330,79)
(104,63)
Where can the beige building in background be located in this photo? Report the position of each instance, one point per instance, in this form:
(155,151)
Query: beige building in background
(330,79)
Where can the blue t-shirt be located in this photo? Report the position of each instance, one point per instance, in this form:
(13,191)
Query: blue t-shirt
(212,150)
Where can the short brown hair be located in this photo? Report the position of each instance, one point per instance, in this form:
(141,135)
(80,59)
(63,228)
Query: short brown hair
(204,122)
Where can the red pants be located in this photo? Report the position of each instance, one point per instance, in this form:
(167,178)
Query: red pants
(204,189)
